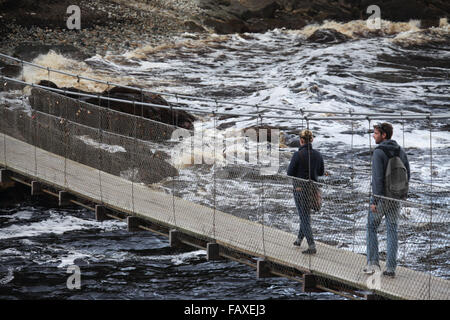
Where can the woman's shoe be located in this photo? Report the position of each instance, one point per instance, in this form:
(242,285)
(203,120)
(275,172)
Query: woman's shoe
(310,251)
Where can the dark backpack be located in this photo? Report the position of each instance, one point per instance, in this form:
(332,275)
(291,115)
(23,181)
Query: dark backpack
(396,182)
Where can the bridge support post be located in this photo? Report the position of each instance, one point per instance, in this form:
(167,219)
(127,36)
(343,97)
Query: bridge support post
(212,251)
(5,176)
(174,238)
(133,224)
(5,179)
(64,198)
(373,296)
(309,283)
(100,213)
(262,269)
(36,188)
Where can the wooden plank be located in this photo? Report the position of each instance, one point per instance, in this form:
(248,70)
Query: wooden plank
(227,230)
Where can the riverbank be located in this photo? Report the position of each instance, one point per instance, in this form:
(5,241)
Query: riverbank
(105,26)
(29,29)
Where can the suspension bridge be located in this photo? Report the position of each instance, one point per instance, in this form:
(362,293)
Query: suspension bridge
(45,148)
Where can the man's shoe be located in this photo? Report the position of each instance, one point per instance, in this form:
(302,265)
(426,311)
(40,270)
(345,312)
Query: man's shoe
(390,274)
(310,251)
(297,242)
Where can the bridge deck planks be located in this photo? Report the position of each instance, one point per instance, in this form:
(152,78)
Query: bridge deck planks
(240,234)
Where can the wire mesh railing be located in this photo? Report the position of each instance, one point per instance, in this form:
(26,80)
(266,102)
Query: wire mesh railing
(140,151)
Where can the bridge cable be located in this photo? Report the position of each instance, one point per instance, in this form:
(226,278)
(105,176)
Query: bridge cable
(34,123)
(100,158)
(262,182)
(406,210)
(307,194)
(431,205)
(173,176)
(370,177)
(259,165)
(352,186)
(311,185)
(133,174)
(214,172)
(66,143)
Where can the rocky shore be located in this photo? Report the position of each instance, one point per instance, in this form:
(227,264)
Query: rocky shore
(105,26)
(29,27)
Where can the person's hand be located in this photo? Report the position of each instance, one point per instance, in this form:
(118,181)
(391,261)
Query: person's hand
(373,208)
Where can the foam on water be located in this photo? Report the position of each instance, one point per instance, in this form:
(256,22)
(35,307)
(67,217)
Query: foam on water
(59,62)
(55,224)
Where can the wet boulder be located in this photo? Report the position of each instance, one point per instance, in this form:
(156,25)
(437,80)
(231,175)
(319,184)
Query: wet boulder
(9,70)
(328,36)
(178,118)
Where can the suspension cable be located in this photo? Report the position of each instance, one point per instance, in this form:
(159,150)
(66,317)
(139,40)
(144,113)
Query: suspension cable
(214,173)
(431,203)
(352,172)
(370,162)
(100,158)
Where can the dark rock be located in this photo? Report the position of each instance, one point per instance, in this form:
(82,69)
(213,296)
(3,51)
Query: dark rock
(48,13)
(240,9)
(258,8)
(9,70)
(226,26)
(6,86)
(193,26)
(282,20)
(178,118)
(294,143)
(328,36)
(405,10)
(47,83)
(429,23)
(230,16)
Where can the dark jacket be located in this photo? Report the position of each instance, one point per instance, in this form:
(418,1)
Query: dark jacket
(379,164)
(300,163)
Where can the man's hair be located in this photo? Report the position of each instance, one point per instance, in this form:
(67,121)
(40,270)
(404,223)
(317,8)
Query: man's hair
(385,128)
(306,135)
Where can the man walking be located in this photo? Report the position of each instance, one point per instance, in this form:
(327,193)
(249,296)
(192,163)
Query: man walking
(383,182)
(307,164)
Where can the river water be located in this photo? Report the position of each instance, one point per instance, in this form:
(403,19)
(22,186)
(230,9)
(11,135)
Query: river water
(403,69)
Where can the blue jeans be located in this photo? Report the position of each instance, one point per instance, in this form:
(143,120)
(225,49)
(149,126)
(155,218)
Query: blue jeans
(390,209)
(304,213)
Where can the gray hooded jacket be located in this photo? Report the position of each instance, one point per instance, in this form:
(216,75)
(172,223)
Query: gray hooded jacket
(379,165)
